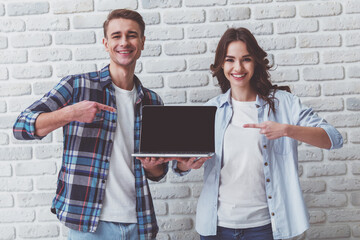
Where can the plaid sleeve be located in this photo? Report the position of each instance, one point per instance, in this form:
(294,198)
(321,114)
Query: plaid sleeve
(153,98)
(58,97)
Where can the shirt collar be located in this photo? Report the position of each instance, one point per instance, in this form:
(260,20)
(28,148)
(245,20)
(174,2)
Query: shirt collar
(259,102)
(139,89)
(226,99)
(105,80)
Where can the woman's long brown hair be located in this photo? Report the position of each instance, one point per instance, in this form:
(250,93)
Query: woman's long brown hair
(260,81)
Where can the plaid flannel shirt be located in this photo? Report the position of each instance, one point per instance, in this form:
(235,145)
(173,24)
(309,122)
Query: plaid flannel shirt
(87,149)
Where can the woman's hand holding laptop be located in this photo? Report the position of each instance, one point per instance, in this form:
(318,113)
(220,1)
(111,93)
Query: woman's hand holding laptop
(185,164)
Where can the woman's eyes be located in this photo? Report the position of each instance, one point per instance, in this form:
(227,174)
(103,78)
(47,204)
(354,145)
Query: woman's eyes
(242,60)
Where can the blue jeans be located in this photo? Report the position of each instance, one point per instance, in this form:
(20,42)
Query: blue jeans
(108,231)
(256,233)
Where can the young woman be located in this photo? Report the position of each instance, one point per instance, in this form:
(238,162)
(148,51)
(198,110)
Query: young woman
(251,187)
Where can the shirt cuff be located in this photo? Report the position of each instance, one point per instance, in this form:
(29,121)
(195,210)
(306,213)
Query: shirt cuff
(177,171)
(30,124)
(334,136)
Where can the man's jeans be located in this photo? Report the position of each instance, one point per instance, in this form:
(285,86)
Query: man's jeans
(256,233)
(108,231)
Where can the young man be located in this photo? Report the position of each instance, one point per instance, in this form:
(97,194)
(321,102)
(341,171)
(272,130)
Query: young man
(102,191)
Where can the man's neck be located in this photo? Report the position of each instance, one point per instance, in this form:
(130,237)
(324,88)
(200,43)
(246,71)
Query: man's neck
(122,77)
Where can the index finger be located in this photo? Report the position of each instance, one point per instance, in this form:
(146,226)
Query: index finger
(252,125)
(195,159)
(105,107)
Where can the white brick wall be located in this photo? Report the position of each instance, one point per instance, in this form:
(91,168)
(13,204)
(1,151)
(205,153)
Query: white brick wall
(314,44)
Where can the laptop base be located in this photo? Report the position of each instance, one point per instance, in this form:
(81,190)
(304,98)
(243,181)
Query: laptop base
(167,155)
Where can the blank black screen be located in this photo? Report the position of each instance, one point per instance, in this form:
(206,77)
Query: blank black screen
(178,128)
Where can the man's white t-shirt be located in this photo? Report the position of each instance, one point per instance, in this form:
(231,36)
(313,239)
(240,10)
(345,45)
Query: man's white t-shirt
(120,196)
(242,197)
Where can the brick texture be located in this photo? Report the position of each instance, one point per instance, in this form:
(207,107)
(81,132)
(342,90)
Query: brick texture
(314,47)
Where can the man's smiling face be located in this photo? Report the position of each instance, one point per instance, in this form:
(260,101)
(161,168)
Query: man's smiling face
(124,42)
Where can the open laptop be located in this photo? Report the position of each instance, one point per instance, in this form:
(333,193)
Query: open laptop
(177,131)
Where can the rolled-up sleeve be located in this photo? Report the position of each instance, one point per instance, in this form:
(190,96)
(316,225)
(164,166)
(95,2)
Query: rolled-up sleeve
(58,97)
(24,127)
(305,116)
(177,171)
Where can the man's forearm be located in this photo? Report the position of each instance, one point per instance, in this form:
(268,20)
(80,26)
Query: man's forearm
(48,122)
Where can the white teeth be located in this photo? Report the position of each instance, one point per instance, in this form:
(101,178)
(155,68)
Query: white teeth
(124,52)
(238,75)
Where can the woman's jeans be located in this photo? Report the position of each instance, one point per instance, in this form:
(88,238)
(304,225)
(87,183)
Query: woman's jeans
(256,233)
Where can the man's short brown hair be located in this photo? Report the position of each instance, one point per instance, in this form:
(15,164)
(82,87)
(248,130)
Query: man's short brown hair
(126,14)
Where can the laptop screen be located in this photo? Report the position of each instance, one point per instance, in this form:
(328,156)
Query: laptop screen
(178,129)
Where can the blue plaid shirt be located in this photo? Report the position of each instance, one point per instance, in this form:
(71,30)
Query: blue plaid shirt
(87,148)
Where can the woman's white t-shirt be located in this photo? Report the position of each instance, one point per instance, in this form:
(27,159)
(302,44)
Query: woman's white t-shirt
(242,197)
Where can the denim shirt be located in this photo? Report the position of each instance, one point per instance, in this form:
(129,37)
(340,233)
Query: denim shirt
(288,212)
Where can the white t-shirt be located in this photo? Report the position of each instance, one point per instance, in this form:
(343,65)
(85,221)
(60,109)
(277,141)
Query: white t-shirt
(242,197)
(120,196)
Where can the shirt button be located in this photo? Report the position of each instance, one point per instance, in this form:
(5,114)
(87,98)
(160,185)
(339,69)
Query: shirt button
(269,197)
(113,121)
(103,181)
(264,146)
(100,201)
(272,214)
(267,180)
(266,164)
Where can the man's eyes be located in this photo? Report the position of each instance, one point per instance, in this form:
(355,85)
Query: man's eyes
(129,36)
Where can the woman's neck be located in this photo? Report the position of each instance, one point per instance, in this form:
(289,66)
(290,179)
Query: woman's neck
(243,95)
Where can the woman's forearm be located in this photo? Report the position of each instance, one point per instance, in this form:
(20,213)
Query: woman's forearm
(315,136)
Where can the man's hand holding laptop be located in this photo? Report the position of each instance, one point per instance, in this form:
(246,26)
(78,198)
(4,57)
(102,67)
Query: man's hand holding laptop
(154,166)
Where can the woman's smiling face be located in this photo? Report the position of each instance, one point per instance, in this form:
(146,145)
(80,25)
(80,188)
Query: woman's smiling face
(239,65)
